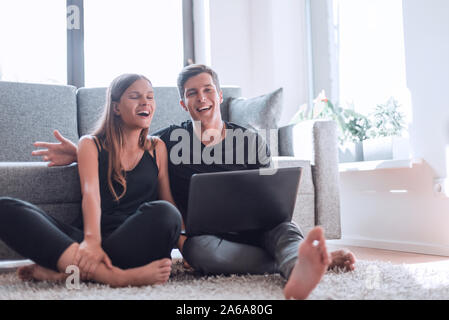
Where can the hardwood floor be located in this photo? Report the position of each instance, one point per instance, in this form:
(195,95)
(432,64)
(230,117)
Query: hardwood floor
(395,257)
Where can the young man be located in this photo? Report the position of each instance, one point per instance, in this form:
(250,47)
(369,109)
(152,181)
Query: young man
(280,249)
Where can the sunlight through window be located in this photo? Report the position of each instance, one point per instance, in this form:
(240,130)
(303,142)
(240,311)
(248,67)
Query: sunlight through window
(133,36)
(33,41)
(371,53)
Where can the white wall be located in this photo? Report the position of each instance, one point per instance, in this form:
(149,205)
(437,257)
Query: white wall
(259,45)
(416,220)
(394,209)
(230,49)
(426,28)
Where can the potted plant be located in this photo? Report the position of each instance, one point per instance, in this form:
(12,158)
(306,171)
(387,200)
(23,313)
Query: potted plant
(376,136)
(354,131)
(352,126)
(385,136)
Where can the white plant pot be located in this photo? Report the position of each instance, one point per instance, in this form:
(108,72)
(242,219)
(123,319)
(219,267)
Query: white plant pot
(350,152)
(386,148)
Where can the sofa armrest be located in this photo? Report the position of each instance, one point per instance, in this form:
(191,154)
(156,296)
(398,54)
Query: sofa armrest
(36,183)
(316,141)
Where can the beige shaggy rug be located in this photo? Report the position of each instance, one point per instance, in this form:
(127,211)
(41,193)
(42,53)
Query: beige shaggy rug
(371,280)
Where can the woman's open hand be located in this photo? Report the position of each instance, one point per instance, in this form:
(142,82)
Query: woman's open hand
(58,154)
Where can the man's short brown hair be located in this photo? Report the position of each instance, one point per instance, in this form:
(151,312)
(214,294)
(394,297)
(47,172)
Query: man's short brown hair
(194,70)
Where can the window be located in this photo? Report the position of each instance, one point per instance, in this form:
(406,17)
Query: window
(33,41)
(371,56)
(139,36)
(133,36)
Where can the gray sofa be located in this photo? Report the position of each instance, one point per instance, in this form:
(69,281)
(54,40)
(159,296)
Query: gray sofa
(29,112)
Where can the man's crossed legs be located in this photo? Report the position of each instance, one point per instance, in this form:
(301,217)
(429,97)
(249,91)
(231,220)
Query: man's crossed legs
(282,249)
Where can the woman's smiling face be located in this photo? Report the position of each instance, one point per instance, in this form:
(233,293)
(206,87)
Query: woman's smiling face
(137,105)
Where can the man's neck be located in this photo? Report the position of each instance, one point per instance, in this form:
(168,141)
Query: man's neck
(210,134)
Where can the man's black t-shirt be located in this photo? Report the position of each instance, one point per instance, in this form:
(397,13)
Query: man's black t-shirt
(241,149)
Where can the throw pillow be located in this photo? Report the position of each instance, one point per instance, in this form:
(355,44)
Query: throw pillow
(258,113)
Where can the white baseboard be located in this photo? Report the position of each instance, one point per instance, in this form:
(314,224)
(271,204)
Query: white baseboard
(413,247)
(11,264)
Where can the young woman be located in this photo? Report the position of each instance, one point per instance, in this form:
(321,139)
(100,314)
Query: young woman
(129,223)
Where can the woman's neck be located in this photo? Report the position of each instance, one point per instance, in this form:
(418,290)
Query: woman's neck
(131,140)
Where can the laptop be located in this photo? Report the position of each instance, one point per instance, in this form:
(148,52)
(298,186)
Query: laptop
(244,200)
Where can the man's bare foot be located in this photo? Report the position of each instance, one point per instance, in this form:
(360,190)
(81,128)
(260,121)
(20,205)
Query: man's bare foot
(342,259)
(156,272)
(312,263)
(36,272)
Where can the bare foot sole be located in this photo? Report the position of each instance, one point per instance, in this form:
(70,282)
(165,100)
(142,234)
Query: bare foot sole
(312,263)
(342,259)
(156,272)
(38,273)
(26,273)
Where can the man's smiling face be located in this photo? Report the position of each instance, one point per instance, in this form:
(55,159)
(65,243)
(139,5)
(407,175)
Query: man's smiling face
(202,100)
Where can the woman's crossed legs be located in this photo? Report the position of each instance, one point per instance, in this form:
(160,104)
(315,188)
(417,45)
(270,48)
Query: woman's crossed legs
(139,249)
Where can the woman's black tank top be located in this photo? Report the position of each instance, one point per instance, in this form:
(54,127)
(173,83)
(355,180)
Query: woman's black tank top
(141,187)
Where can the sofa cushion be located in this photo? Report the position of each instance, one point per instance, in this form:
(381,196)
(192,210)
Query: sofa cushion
(30,112)
(168,109)
(259,114)
(36,183)
(229,93)
(90,102)
(306,185)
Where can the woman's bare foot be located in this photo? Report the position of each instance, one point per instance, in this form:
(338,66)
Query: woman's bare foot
(186,265)
(342,259)
(156,272)
(36,272)
(26,273)
(312,263)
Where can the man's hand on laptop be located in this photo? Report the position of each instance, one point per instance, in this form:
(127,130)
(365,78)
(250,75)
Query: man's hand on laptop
(57,154)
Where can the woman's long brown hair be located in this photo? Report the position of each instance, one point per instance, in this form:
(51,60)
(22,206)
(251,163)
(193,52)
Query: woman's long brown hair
(110,134)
